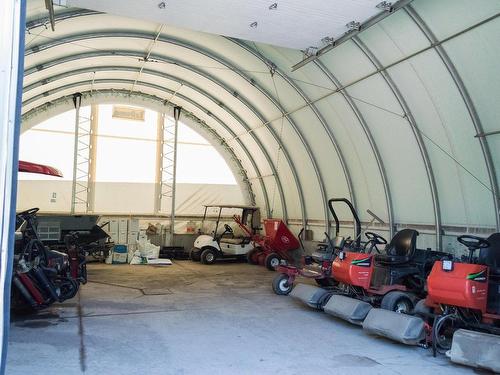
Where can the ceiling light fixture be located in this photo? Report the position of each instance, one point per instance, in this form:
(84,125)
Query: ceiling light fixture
(353,26)
(273,6)
(327,40)
(254,24)
(162,5)
(385,5)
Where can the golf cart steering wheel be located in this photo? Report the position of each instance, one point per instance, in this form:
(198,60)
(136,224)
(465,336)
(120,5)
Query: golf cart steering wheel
(228,229)
(473,242)
(375,238)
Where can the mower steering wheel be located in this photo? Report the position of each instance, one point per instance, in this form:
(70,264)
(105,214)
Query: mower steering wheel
(375,238)
(473,242)
(228,229)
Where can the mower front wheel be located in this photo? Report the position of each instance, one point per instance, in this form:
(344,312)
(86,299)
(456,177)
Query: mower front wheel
(281,285)
(208,256)
(398,302)
(253,256)
(272,261)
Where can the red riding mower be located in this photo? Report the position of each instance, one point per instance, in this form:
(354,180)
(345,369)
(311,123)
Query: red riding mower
(42,276)
(318,266)
(464,304)
(393,280)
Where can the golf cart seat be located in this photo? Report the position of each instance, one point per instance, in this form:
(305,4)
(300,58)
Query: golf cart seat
(234,241)
(401,249)
(490,256)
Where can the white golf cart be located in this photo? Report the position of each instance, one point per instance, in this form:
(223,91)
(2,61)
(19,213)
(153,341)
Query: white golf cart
(208,247)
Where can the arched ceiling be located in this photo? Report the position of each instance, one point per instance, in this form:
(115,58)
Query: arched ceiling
(394,119)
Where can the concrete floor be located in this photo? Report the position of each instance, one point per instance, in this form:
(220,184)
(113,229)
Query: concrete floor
(194,319)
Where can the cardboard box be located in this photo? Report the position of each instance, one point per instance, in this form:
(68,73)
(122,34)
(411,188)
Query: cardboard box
(114,236)
(123,225)
(133,225)
(132,237)
(122,238)
(113,226)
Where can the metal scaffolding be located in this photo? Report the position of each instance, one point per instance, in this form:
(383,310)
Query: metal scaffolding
(80,192)
(167,166)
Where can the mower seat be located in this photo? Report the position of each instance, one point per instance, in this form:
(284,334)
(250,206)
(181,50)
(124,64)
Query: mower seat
(490,256)
(401,249)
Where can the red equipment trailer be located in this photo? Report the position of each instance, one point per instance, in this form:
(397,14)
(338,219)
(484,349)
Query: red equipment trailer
(273,248)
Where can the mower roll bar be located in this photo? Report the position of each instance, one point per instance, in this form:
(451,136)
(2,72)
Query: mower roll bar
(354,214)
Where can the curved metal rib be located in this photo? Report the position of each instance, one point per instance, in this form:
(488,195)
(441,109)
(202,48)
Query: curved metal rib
(371,141)
(159,88)
(137,54)
(182,82)
(321,119)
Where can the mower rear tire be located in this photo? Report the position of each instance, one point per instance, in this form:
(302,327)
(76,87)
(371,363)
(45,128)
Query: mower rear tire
(195,254)
(208,256)
(253,256)
(281,286)
(397,301)
(272,261)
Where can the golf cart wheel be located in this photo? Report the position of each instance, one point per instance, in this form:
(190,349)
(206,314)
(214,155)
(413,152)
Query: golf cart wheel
(281,285)
(272,261)
(194,254)
(253,256)
(326,282)
(208,256)
(398,302)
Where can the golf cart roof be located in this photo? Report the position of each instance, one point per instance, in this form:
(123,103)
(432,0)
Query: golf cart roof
(231,206)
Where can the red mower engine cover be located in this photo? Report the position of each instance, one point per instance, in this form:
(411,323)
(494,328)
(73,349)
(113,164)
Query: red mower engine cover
(353,269)
(279,237)
(465,285)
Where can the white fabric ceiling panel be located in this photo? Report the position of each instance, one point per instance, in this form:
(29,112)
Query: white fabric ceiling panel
(307,176)
(447,17)
(446,128)
(348,63)
(284,170)
(362,165)
(324,151)
(394,38)
(274,26)
(406,172)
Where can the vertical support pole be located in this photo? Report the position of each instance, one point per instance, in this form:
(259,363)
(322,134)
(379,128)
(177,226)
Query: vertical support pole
(12,25)
(177,115)
(81,159)
(94,128)
(77,101)
(159,162)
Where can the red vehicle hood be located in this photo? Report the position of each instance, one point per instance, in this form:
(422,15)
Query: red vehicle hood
(26,166)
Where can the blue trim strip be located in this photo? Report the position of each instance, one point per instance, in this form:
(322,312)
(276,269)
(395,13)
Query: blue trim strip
(13,197)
